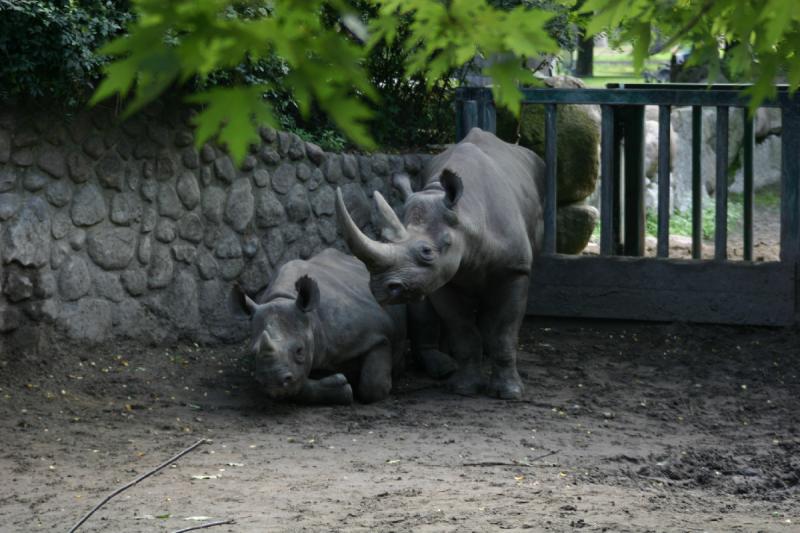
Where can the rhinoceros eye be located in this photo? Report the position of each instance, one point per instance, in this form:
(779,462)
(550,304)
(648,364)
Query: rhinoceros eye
(426,253)
(299,355)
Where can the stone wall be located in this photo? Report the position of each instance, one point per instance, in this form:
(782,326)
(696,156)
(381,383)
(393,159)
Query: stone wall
(112,230)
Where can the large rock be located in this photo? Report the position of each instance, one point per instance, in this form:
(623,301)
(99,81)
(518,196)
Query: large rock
(27,237)
(574,226)
(112,248)
(578,139)
(178,304)
(767,165)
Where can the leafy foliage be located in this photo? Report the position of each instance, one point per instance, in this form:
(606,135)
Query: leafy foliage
(47,47)
(760,38)
(175,42)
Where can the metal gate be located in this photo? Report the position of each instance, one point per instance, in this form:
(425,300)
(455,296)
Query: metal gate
(620,282)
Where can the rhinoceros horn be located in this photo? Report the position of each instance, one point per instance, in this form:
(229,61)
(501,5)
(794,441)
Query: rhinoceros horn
(393,230)
(264,343)
(374,254)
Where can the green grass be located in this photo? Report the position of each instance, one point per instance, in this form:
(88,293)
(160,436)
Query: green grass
(680,222)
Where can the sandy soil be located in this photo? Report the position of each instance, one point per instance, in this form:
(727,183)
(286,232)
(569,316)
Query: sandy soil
(624,427)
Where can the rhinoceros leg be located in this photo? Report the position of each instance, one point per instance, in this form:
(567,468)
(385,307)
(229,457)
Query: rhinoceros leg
(376,373)
(425,333)
(458,314)
(500,319)
(331,390)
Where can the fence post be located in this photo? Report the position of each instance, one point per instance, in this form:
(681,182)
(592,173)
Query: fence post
(633,118)
(474,109)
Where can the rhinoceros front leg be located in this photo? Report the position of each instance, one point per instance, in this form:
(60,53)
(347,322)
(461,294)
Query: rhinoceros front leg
(376,373)
(500,319)
(458,314)
(425,335)
(331,390)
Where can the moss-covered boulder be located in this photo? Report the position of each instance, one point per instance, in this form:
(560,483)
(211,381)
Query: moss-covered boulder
(578,142)
(574,226)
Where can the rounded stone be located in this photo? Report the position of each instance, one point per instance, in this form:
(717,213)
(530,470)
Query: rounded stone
(261,177)
(166,231)
(240,205)
(51,160)
(188,190)
(190,228)
(135,282)
(283,177)
(190,158)
(207,153)
(206,264)
(168,203)
(332,168)
(61,224)
(228,245)
(78,167)
(324,201)
(316,180)
(224,169)
(349,166)
(17,286)
(9,205)
(107,285)
(149,219)
(88,206)
(145,250)
(297,206)
(8,178)
(34,180)
(269,156)
(574,226)
(213,204)
(77,239)
(273,244)
(184,253)
(111,170)
(315,153)
(161,268)
(112,248)
(126,208)
(74,280)
(59,193)
(26,237)
(269,211)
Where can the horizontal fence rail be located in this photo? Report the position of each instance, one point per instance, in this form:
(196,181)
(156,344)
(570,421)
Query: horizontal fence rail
(621,283)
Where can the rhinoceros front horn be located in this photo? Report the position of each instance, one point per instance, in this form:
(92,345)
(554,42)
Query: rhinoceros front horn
(374,254)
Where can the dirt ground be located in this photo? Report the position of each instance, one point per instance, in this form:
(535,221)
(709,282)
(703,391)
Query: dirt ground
(624,427)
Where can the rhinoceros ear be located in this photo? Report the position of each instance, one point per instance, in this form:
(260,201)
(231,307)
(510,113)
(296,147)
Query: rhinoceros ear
(453,187)
(240,303)
(307,294)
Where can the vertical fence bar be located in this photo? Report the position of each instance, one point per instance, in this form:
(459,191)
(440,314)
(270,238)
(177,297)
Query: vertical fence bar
(634,180)
(749,141)
(616,215)
(721,191)
(697,183)
(469,118)
(487,119)
(550,134)
(607,185)
(790,180)
(663,180)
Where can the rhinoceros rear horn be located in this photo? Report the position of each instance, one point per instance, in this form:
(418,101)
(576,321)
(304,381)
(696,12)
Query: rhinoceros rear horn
(392,230)
(307,294)
(374,254)
(453,187)
(240,303)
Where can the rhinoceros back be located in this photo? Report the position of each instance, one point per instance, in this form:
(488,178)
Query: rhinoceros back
(503,188)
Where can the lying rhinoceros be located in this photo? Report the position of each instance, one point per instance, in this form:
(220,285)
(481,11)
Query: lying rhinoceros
(467,240)
(318,315)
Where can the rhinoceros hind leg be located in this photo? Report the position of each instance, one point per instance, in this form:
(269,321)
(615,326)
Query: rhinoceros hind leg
(438,365)
(466,381)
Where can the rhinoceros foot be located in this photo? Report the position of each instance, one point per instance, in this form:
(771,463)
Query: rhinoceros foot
(505,384)
(334,381)
(438,365)
(331,390)
(466,381)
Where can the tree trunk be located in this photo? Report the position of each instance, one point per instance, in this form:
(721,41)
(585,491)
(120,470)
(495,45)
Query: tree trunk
(584,66)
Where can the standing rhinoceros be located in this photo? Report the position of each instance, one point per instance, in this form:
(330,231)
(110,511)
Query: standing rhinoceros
(467,240)
(319,315)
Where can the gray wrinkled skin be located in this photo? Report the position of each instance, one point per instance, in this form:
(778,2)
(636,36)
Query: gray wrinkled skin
(466,240)
(319,315)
